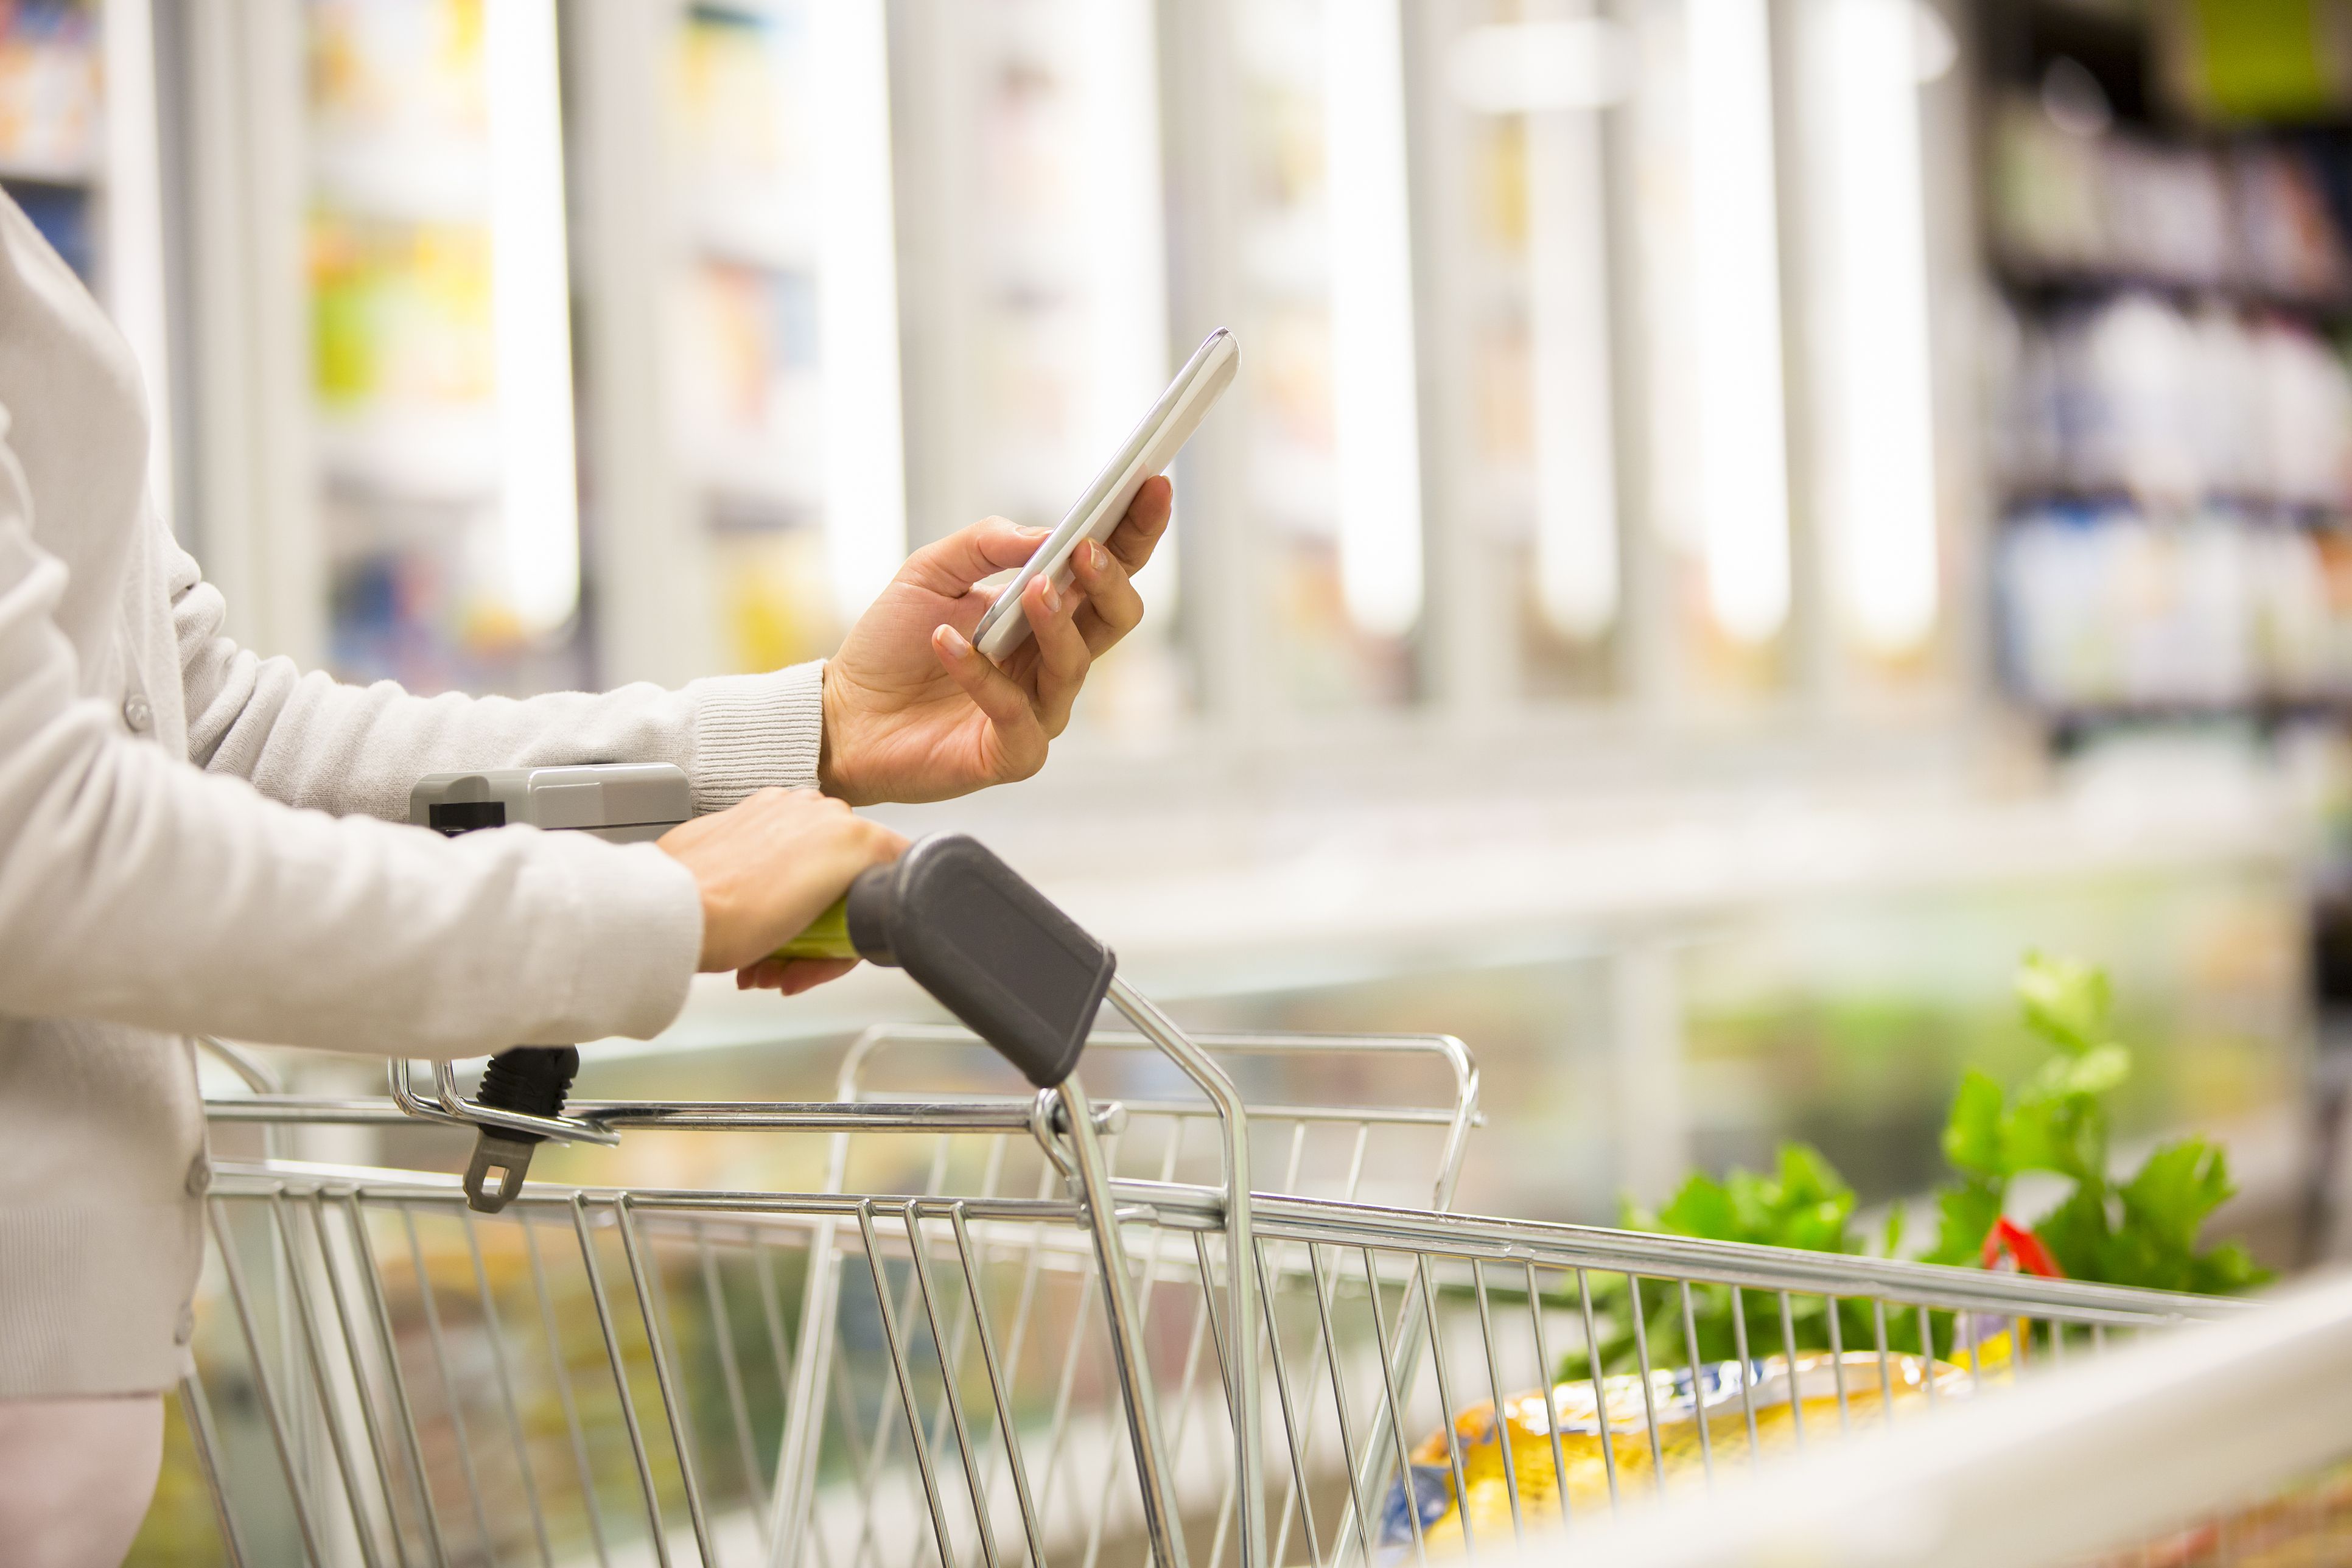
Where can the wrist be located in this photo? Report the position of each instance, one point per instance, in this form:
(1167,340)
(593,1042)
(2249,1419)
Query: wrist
(833,710)
(710,897)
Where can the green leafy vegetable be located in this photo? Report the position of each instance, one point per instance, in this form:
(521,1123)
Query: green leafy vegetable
(1804,1202)
(2142,1232)
(1807,1205)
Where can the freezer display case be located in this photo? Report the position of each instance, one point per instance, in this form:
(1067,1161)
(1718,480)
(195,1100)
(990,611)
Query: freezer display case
(744,479)
(440,387)
(1028,133)
(747,361)
(1517,122)
(1323,302)
(1674,471)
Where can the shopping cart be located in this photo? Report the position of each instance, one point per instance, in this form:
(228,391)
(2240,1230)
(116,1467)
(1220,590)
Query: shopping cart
(1211,1306)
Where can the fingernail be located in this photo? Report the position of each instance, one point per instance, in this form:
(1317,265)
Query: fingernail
(957,644)
(1097,556)
(1053,597)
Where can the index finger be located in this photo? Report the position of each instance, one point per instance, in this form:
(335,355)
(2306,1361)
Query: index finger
(1140,532)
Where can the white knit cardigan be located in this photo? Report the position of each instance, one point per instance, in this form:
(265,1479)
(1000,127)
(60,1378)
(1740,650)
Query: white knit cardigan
(189,844)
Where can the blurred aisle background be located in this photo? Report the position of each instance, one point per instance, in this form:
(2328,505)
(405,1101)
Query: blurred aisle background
(1739,516)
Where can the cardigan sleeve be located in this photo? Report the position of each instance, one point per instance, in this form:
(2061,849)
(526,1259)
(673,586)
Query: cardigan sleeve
(310,740)
(138,889)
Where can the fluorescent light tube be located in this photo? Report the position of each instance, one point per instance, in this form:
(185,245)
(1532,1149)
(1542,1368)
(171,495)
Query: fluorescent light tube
(1375,412)
(857,302)
(1123,248)
(1742,437)
(1529,68)
(1880,422)
(530,314)
(1575,458)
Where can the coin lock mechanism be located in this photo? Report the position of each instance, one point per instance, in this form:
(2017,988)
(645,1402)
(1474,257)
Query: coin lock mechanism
(629,802)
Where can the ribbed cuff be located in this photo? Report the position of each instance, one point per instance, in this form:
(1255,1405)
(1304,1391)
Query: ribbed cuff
(751,731)
(638,936)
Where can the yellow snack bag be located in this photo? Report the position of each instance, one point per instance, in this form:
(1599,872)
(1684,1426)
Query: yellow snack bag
(1777,1399)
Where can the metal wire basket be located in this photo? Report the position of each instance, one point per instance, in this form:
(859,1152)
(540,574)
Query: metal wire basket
(1016,1326)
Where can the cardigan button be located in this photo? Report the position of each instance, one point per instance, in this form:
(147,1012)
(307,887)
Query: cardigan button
(138,712)
(200,1176)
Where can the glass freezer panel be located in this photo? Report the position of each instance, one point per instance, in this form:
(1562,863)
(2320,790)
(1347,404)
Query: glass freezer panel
(1865,73)
(1041,282)
(1537,494)
(1331,453)
(439,336)
(782,293)
(1705,205)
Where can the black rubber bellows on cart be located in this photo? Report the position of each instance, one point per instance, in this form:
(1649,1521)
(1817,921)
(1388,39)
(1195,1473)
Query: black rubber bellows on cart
(963,925)
(534,1080)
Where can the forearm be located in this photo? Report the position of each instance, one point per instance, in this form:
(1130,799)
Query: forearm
(308,739)
(137,890)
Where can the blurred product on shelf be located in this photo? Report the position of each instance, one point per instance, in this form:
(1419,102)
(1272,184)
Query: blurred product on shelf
(1340,590)
(396,78)
(748,408)
(2104,606)
(400,318)
(1749,1409)
(2076,200)
(49,120)
(737,155)
(48,91)
(404,339)
(773,595)
(2174,436)
(743,342)
(2136,395)
(747,368)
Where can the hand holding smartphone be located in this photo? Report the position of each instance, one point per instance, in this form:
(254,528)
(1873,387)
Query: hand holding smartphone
(1148,449)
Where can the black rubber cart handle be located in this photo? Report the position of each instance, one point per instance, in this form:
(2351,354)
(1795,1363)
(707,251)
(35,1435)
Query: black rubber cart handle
(991,949)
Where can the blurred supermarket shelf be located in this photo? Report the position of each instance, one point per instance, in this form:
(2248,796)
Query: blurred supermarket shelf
(448,455)
(448,180)
(730,226)
(2035,285)
(73,170)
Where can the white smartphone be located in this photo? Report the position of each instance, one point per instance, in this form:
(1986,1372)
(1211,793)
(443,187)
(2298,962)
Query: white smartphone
(1152,445)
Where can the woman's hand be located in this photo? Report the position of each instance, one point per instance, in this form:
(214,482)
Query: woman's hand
(913,711)
(767,866)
